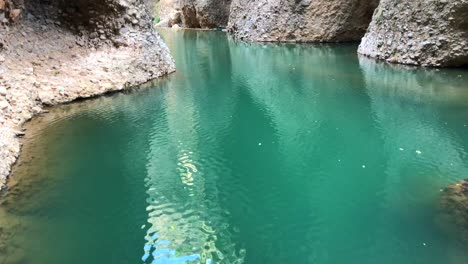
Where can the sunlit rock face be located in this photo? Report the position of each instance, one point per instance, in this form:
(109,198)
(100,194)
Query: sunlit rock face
(193,13)
(427,33)
(55,51)
(300,20)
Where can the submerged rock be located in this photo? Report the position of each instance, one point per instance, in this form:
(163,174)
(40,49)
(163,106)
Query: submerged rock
(300,20)
(427,33)
(454,206)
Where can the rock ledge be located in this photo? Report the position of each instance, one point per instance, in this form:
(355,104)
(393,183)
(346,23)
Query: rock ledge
(48,57)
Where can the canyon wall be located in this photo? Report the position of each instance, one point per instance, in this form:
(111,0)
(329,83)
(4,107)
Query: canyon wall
(193,13)
(300,20)
(55,51)
(427,33)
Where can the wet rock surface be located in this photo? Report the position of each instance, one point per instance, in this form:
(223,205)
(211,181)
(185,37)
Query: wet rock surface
(193,13)
(300,20)
(49,56)
(454,207)
(427,33)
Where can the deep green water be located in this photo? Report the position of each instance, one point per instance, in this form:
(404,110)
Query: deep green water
(250,153)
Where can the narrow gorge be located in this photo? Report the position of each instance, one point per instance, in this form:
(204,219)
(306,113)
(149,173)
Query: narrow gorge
(300,21)
(205,14)
(233,131)
(57,51)
(425,33)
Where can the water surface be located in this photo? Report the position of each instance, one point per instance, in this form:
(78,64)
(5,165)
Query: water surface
(250,153)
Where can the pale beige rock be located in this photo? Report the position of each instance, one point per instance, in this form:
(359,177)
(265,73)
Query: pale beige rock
(427,33)
(194,13)
(46,63)
(14,14)
(300,20)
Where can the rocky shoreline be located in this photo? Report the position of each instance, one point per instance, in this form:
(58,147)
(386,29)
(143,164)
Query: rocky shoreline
(424,33)
(44,61)
(421,33)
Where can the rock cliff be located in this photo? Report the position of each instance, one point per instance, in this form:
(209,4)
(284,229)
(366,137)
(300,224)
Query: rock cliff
(300,20)
(55,51)
(193,13)
(427,33)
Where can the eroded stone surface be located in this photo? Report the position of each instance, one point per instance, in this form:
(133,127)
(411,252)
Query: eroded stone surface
(194,13)
(427,33)
(300,20)
(49,57)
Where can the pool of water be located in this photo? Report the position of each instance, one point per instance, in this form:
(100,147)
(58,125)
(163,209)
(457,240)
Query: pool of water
(250,153)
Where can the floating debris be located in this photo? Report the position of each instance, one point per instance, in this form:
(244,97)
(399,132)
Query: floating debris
(402,149)
(418,152)
(363,166)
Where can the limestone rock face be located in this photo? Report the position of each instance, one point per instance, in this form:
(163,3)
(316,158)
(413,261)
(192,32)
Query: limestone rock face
(56,51)
(194,13)
(300,20)
(9,11)
(427,33)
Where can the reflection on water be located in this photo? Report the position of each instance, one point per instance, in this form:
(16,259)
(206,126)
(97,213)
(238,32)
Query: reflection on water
(162,254)
(188,214)
(402,102)
(407,84)
(414,131)
(250,153)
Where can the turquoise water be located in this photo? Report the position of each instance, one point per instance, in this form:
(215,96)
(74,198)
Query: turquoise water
(250,153)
